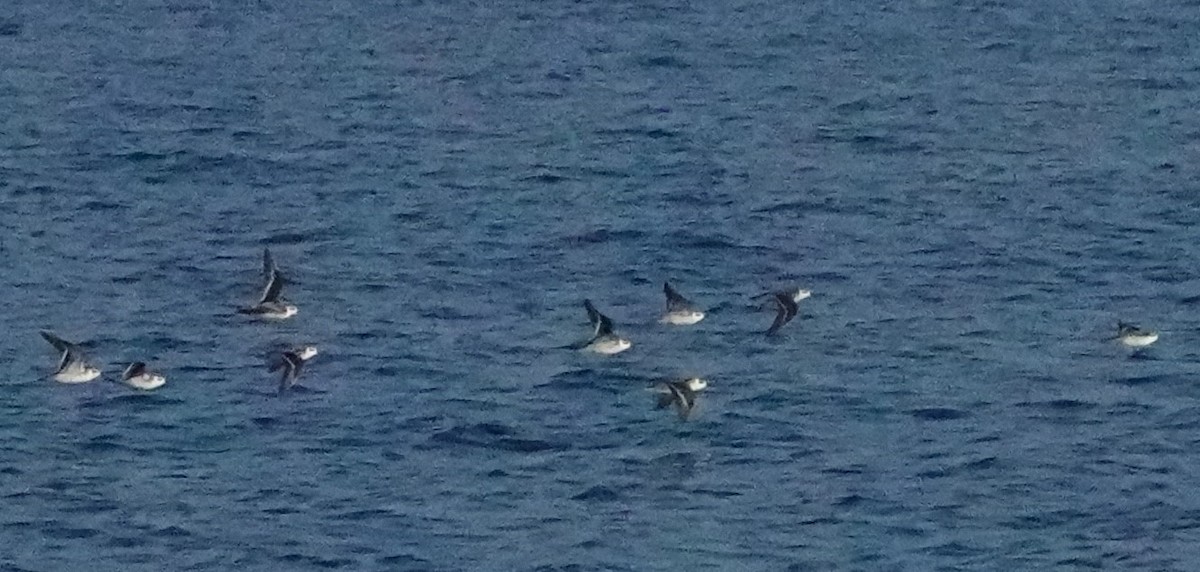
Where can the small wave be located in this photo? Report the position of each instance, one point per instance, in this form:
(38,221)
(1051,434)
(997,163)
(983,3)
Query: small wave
(806,205)
(670,62)
(1142,379)
(446,312)
(493,436)
(288,238)
(545,178)
(280,510)
(365,514)
(648,132)
(938,414)
(604,235)
(997,45)
(977,465)
(138,397)
(171,531)
(1156,84)
(598,493)
(144,156)
(1067,405)
(350,442)
(103,444)
(318,561)
(68,532)
(103,206)
(710,242)
(9,29)
(126,541)
(1080,562)
(884,144)
(850,500)
(36,190)
(404,562)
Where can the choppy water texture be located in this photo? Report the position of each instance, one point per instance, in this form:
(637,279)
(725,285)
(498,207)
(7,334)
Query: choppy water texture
(975,191)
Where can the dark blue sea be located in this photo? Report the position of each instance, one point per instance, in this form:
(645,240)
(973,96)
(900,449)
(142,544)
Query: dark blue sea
(975,191)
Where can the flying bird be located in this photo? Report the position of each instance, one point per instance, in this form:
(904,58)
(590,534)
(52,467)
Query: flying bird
(270,305)
(138,376)
(679,393)
(604,340)
(785,308)
(1135,337)
(680,311)
(72,365)
(291,362)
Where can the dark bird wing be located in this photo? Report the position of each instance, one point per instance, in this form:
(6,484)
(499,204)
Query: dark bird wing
(58,343)
(786,309)
(135,369)
(273,288)
(593,315)
(674,300)
(63,361)
(684,398)
(604,326)
(268,263)
(665,396)
(70,352)
(291,370)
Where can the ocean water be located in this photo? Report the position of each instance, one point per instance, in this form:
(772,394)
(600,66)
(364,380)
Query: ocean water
(975,191)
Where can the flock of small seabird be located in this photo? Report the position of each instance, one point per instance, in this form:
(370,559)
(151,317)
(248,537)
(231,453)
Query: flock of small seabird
(73,366)
(682,393)
(681,312)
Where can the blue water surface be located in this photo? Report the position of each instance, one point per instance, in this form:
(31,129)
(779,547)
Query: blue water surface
(976,192)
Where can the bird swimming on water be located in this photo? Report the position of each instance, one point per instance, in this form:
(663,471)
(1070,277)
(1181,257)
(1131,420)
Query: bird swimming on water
(72,365)
(270,305)
(680,310)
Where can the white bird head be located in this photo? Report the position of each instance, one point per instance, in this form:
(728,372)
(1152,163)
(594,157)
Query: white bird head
(306,352)
(696,383)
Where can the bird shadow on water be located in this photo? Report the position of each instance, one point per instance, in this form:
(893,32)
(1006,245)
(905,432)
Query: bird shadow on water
(1141,355)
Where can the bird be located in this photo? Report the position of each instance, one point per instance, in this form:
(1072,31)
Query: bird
(785,306)
(603,340)
(72,366)
(139,377)
(306,352)
(680,311)
(291,362)
(680,393)
(1135,337)
(270,305)
(275,357)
